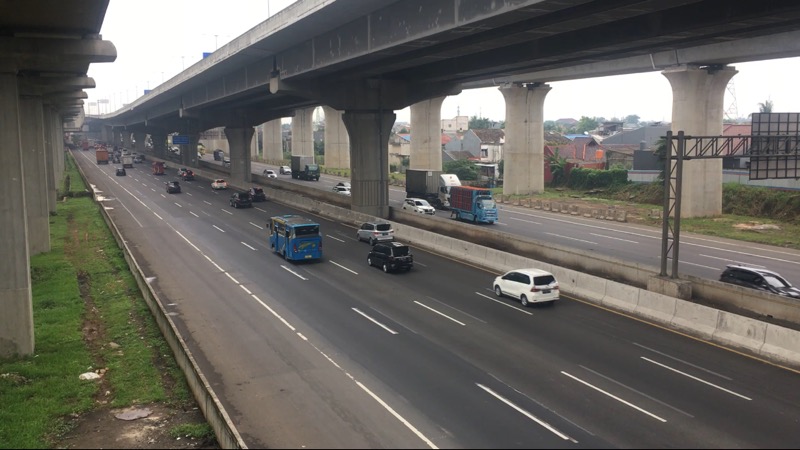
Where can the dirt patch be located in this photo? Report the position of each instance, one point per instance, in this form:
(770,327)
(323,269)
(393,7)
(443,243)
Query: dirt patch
(102,429)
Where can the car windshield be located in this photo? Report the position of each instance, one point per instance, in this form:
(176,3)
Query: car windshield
(488,203)
(776,281)
(400,251)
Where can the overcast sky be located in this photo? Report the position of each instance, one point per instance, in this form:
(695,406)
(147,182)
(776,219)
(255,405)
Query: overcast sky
(156,40)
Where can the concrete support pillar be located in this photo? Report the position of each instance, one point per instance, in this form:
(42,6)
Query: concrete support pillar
(16,302)
(239,140)
(273,140)
(698,96)
(189,151)
(159,144)
(60,158)
(117,141)
(337,142)
(54,160)
(254,153)
(303,132)
(127,143)
(369,160)
(139,137)
(523,151)
(426,134)
(107,134)
(34,177)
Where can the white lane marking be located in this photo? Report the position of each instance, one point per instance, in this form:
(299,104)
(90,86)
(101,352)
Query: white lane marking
(615,397)
(188,193)
(294,273)
(129,211)
(178,205)
(571,238)
(215,264)
(396,415)
(163,195)
(417,263)
(334,238)
(343,267)
(262,210)
(732,261)
(278,316)
(143,184)
(501,223)
(257,226)
(226,211)
(194,214)
(220,229)
(699,265)
(152,189)
(541,422)
(524,220)
(248,246)
(615,238)
(440,313)
(206,202)
(375,321)
(231,277)
(159,217)
(245,289)
(696,378)
(498,301)
(682,361)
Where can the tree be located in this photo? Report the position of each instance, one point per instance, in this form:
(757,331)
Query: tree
(765,107)
(404,130)
(632,119)
(586,124)
(463,168)
(550,126)
(479,123)
(558,165)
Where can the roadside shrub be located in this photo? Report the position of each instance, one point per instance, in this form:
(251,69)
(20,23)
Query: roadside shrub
(580,178)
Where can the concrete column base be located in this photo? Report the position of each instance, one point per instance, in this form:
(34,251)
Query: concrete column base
(426,145)
(523,151)
(273,140)
(369,159)
(671,287)
(239,140)
(337,142)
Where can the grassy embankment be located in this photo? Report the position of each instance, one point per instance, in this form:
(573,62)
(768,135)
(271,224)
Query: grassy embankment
(88,316)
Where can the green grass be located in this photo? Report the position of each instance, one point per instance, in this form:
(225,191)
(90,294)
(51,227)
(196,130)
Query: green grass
(83,283)
(200,431)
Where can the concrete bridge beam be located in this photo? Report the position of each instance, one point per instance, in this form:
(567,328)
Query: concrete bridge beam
(523,151)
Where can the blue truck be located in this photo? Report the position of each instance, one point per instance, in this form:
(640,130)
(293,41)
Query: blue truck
(472,203)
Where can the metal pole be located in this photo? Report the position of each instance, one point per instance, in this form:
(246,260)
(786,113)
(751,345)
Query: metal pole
(665,218)
(676,232)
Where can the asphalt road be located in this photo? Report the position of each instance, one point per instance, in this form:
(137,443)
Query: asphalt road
(337,354)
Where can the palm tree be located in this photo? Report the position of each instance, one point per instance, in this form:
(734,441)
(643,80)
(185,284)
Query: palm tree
(765,107)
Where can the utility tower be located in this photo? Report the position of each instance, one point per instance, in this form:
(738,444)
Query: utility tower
(732,111)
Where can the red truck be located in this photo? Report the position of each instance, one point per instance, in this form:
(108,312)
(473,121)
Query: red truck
(158,168)
(102,155)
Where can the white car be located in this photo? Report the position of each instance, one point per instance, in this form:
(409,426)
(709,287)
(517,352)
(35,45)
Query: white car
(285,170)
(527,285)
(270,173)
(342,190)
(219,184)
(418,205)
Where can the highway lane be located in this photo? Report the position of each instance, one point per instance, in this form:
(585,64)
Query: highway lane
(702,256)
(468,369)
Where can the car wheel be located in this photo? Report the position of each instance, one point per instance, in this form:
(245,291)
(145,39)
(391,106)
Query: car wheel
(523,300)
(385,268)
(358,238)
(497,291)
(369,262)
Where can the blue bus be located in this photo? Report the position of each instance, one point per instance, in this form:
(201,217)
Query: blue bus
(295,237)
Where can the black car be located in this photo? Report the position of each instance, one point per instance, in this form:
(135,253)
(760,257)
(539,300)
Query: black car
(241,200)
(257,194)
(758,278)
(391,256)
(173,187)
(121,172)
(187,175)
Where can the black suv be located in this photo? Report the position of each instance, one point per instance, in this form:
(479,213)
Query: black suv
(186,174)
(391,256)
(757,278)
(257,194)
(241,200)
(173,187)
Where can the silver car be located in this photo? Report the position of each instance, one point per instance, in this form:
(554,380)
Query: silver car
(374,232)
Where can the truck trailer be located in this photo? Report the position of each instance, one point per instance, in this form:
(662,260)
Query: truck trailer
(473,203)
(101,154)
(431,185)
(304,168)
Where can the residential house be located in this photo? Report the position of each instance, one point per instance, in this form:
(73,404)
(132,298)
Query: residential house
(733,161)
(456,124)
(399,149)
(491,143)
(460,145)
